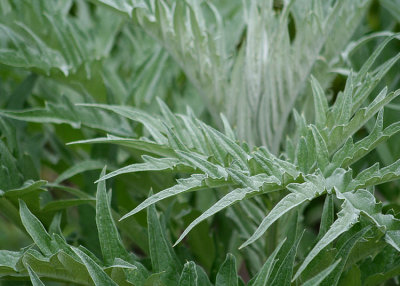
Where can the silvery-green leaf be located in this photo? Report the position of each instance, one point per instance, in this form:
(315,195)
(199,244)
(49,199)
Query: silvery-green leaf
(227,273)
(97,274)
(110,240)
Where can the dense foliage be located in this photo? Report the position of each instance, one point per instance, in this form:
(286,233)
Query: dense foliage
(226,142)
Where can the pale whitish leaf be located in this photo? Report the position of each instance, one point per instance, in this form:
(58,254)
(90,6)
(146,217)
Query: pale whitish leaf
(290,149)
(341,111)
(320,103)
(110,241)
(213,147)
(50,38)
(78,168)
(150,164)
(229,199)
(301,123)
(152,124)
(340,133)
(252,182)
(151,79)
(179,25)
(164,17)
(172,121)
(119,275)
(370,61)
(253,209)
(9,174)
(262,276)
(289,232)
(66,112)
(365,203)
(196,134)
(162,255)
(354,45)
(338,158)
(222,142)
(370,81)
(375,176)
(181,28)
(174,141)
(288,169)
(195,160)
(189,275)
(320,148)
(311,151)
(256,52)
(227,128)
(317,279)
(139,144)
(285,270)
(36,230)
(327,217)
(370,142)
(303,159)
(90,254)
(268,165)
(343,253)
(331,26)
(29,58)
(9,259)
(26,188)
(120,263)
(124,6)
(135,273)
(300,193)
(59,266)
(97,274)
(350,153)
(346,218)
(227,273)
(40,115)
(193,183)
(62,245)
(365,176)
(54,227)
(34,277)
